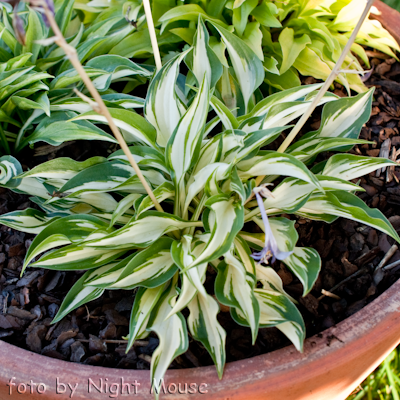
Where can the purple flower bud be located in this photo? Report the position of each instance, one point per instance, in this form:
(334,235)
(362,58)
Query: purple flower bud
(270,250)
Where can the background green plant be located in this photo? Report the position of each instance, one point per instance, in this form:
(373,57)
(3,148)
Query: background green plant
(383,383)
(36,80)
(393,3)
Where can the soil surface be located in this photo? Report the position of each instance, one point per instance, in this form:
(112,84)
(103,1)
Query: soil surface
(352,272)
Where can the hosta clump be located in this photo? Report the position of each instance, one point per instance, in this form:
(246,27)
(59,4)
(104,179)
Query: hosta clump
(202,163)
(291,38)
(37,81)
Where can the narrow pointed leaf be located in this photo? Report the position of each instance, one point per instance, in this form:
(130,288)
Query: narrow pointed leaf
(77,296)
(204,327)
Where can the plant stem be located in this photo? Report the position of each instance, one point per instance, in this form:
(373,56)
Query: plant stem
(101,107)
(333,75)
(152,31)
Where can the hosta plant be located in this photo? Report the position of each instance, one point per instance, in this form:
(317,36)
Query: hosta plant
(37,80)
(291,38)
(202,162)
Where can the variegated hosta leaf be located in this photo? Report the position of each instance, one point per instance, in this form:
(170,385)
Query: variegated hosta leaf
(134,127)
(116,67)
(286,96)
(60,132)
(28,220)
(78,295)
(9,169)
(224,220)
(227,118)
(144,231)
(77,257)
(196,183)
(234,287)
(205,61)
(345,117)
(289,196)
(148,268)
(347,205)
(306,149)
(204,327)
(163,108)
(107,274)
(247,66)
(218,147)
(109,176)
(350,166)
(276,310)
(271,280)
(254,141)
(305,263)
(172,333)
(61,168)
(67,230)
(145,301)
(183,146)
(163,192)
(144,156)
(283,113)
(123,206)
(193,278)
(274,163)
(292,193)
(283,230)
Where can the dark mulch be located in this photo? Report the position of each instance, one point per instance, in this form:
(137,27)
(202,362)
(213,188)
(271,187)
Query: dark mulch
(350,252)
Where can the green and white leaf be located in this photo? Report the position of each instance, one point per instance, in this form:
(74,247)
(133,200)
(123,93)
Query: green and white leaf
(350,166)
(78,295)
(172,333)
(162,107)
(28,220)
(144,231)
(305,263)
(66,230)
(204,327)
(274,163)
(225,220)
(148,268)
(234,287)
(347,205)
(134,127)
(145,300)
(247,66)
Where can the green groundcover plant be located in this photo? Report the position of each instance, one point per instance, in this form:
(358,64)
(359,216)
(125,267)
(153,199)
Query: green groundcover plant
(36,79)
(202,161)
(291,38)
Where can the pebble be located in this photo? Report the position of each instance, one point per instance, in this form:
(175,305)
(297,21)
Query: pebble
(77,351)
(96,345)
(117,319)
(357,242)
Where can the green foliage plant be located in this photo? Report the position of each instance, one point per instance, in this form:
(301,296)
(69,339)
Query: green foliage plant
(201,161)
(37,81)
(291,38)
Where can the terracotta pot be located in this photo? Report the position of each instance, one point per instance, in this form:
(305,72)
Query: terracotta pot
(332,365)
